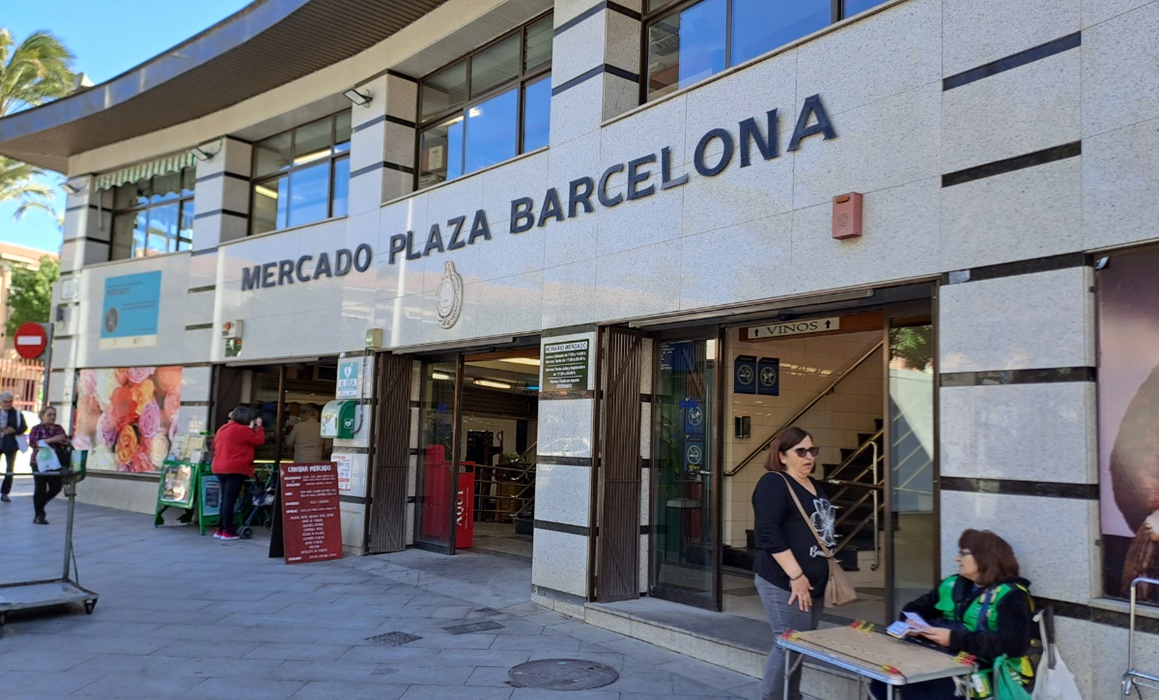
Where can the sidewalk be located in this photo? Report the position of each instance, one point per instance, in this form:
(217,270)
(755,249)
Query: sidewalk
(185,616)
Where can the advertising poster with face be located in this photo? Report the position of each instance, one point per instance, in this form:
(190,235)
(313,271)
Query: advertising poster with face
(127,417)
(1128,395)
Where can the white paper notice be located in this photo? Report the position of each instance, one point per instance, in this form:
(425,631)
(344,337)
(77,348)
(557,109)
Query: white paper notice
(345,465)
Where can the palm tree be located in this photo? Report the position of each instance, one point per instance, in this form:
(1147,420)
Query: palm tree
(32,72)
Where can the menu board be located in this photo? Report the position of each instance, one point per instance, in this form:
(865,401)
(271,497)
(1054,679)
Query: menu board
(311,523)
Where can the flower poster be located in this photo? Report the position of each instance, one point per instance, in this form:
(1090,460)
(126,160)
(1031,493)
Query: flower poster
(127,417)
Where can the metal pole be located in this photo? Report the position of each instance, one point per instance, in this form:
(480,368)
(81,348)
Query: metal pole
(70,492)
(47,364)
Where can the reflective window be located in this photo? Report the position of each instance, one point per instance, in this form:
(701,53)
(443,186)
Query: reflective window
(487,107)
(690,41)
(153,216)
(301,176)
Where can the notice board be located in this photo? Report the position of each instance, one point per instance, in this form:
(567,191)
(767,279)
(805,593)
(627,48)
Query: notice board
(311,522)
(565,366)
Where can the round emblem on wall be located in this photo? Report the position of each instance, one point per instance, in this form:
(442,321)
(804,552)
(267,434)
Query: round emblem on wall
(449,296)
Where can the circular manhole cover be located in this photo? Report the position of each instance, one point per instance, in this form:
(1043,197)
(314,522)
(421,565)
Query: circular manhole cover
(562,674)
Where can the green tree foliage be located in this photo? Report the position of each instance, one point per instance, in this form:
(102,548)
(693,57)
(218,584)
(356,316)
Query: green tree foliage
(912,344)
(32,72)
(30,296)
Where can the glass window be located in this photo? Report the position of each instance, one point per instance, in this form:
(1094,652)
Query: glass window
(495,66)
(302,176)
(153,216)
(493,131)
(537,51)
(687,42)
(444,90)
(759,26)
(509,110)
(536,114)
(441,153)
(686,47)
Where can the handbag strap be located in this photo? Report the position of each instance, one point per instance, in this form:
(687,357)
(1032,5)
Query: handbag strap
(804,515)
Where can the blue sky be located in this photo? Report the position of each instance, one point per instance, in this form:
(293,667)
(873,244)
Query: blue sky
(108,37)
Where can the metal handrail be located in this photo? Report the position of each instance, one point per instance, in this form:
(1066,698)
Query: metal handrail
(816,399)
(875,490)
(1132,677)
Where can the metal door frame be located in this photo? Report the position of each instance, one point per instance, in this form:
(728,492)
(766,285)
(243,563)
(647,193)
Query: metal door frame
(453,485)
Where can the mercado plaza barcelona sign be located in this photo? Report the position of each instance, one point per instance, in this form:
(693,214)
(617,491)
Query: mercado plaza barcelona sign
(619,183)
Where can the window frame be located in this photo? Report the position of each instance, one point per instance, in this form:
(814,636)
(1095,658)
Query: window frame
(836,14)
(181,200)
(331,159)
(520,82)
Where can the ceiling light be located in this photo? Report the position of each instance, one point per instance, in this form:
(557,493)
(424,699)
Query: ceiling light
(362,99)
(493,384)
(441,376)
(266,191)
(310,157)
(522,360)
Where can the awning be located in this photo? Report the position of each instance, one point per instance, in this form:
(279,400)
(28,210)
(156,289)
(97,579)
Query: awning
(140,171)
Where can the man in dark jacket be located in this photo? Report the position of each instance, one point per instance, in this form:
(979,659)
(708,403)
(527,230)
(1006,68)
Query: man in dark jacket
(11,424)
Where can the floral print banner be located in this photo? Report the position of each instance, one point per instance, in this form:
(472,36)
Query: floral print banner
(127,417)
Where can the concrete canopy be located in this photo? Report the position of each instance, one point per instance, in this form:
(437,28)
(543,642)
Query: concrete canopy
(266,44)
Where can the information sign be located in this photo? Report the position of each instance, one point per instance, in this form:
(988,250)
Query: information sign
(565,366)
(311,522)
(345,464)
(349,379)
(802,327)
(130,311)
(31,340)
(744,375)
(769,376)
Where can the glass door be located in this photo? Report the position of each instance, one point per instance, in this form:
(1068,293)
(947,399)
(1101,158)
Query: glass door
(685,543)
(437,472)
(912,551)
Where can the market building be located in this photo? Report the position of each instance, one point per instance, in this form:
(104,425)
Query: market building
(593,255)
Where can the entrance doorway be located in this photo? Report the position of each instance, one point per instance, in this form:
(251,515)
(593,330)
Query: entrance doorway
(861,380)
(478,424)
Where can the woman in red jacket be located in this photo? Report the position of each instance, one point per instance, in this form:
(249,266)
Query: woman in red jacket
(233,462)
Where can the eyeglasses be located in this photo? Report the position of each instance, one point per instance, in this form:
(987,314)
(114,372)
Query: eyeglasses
(964,552)
(802,451)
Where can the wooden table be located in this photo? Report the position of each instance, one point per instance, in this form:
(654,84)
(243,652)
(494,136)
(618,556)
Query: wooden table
(871,655)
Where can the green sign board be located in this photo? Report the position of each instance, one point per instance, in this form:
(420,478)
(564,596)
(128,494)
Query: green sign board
(565,366)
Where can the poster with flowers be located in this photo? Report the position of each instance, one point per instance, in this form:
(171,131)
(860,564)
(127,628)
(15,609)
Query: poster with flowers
(127,417)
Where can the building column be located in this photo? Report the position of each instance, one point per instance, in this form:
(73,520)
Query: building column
(564,530)
(595,65)
(382,145)
(222,197)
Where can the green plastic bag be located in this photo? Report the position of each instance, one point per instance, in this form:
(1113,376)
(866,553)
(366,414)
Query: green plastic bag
(1007,683)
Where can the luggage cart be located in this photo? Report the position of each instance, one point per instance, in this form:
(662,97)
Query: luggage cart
(1134,678)
(31,595)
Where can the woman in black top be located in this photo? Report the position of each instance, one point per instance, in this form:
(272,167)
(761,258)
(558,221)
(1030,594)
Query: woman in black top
(791,571)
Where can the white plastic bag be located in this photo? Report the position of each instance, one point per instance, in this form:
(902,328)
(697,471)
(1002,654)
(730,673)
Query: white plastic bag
(46,459)
(22,443)
(1052,683)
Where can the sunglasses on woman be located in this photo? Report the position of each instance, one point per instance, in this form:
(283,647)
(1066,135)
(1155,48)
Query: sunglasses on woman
(802,451)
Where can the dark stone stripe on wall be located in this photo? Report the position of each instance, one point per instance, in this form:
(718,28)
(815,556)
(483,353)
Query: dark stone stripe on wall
(1051,375)
(1021,267)
(382,165)
(83,206)
(563,527)
(199,326)
(412,499)
(215,212)
(390,118)
(1010,487)
(234,176)
(199,290)
(595,9)
(401,76)
(122,476)
(1021,58)
(645,529)
(360,500)
(366,125)
(1009,165)
(352,450)
(1086,613)
(203,404)
(567,461)
(204,251)
(588,75)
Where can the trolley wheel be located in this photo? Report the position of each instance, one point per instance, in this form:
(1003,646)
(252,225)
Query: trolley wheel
(246,533)
(89,605)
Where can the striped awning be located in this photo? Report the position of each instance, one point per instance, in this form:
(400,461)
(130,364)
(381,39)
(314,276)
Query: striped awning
(141,171)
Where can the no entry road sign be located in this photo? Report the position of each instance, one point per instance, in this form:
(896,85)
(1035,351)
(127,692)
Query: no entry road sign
(31,340)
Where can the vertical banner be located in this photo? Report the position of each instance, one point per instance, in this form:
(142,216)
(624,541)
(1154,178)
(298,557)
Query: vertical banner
(311,521)
(130,310)
(769,376)
(744,375)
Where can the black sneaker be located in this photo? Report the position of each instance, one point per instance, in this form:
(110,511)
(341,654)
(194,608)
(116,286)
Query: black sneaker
(40,520)
(4,497)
